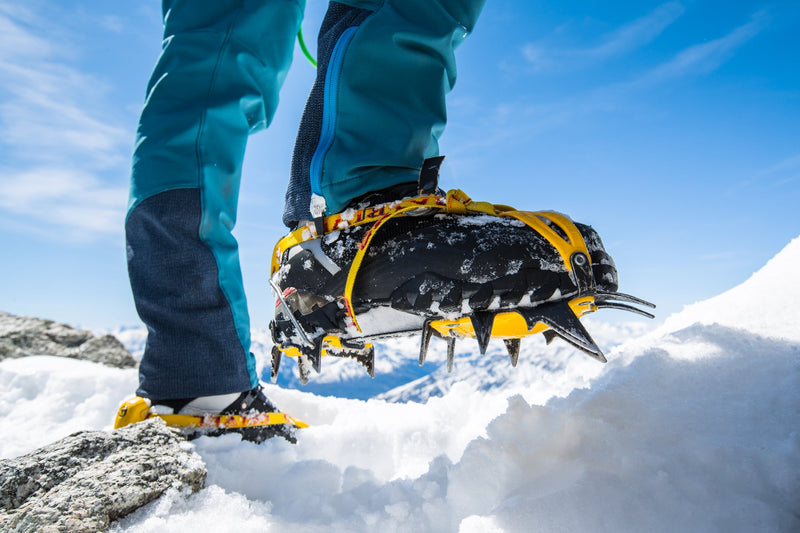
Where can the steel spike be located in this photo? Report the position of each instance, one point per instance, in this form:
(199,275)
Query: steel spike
(451,353)
(549,336)
(604,296)
(482,322)
(513,346)
(563,323)
(595,354)
(302,368)
(370,361)
(315,355)
(623,307)
(276,363)
(427,333)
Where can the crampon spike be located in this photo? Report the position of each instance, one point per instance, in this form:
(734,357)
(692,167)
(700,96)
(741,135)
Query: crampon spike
(303,368)
(624,307)
(482,323)
(276,363)
(451,353)
(369,361)
(513,346)
(606,295)
(360,351)
(427,333)
(563,322)
(315,356)
(611,300)
(549,336)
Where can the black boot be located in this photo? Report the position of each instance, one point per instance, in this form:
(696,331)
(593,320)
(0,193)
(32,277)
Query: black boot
(438,265)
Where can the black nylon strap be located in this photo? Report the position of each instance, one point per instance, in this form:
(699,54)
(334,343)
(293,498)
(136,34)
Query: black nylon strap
(429,175)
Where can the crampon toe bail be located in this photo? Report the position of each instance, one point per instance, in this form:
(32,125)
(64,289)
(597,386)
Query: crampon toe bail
(438,266)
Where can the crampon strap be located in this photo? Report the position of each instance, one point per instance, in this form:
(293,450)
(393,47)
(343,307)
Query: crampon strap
(454,202)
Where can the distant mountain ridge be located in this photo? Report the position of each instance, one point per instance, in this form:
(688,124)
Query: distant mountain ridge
(399,378)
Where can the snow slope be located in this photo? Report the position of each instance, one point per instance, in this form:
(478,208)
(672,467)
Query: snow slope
(691,427)
(766,303)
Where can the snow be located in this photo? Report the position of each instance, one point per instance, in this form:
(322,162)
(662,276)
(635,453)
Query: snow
(766,303)
(692,426)
(317,206)
(45,398)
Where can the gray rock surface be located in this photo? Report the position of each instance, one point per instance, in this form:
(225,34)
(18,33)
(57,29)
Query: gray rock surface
(21,336)
(87,480)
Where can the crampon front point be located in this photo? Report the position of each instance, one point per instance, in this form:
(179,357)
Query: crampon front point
(437,266)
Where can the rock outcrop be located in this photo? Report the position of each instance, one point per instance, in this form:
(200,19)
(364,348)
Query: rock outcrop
(87,480)
(22,336)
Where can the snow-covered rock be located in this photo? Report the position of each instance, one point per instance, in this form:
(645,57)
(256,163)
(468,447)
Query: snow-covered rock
(22,336)
(83,482)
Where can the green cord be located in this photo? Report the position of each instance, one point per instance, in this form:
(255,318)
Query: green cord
(305,49)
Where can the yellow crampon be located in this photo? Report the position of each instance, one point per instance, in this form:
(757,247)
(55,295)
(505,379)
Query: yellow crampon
(554,319)
(137,409)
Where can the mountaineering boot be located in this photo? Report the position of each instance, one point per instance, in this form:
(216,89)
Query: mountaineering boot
(249,413)
(440,265)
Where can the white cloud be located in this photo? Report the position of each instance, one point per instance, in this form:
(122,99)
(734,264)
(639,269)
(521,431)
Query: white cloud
(783,173)
(623,40)
(15,40)
(74,204)
(708,56)
(37,126)
(64,154)
(637,33)
(113,23)
(523,119)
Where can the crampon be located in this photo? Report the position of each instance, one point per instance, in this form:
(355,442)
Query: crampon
(254,427)
(437,265)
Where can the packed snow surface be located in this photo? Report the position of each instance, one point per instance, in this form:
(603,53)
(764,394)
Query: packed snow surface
(692,426)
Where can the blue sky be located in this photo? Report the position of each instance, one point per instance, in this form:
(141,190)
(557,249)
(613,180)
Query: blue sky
(672,127)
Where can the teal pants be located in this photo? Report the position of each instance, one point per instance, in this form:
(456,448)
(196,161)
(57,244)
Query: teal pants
(376,111)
